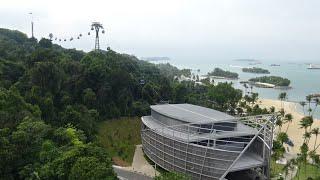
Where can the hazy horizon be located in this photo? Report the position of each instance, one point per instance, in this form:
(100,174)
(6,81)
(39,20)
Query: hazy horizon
(186,31)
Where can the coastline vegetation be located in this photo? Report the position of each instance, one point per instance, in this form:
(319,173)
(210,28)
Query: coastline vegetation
(170,71)
(218,72)
(275,80)
(306,164)
(256,70)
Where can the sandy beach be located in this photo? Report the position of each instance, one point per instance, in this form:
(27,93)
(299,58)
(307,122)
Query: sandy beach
(295,133)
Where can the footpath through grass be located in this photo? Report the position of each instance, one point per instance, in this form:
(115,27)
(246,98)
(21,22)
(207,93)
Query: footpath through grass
(119,137)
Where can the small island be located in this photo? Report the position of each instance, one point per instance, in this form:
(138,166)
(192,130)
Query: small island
(255,70)
(222,74)
(271,80)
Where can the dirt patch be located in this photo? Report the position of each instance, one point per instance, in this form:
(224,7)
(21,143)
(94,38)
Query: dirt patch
(119,162)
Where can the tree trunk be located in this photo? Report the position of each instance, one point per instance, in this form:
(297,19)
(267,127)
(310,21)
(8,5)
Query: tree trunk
(315,142)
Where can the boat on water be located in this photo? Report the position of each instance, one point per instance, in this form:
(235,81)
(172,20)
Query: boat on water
(313,66)
(274,64)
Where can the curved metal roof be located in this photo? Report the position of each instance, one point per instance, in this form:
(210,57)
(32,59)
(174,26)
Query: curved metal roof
(191,113)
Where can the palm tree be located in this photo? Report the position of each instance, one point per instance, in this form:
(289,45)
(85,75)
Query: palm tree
(316,103)
(254,97)
(282,97)
(315,131)
(272,109)
(282,137)
(279,123)
(314,157)
(306,122)
(309,99)
(304,155)
(288,119)
(303,104)
(304,125)
(282,113)
(307,136)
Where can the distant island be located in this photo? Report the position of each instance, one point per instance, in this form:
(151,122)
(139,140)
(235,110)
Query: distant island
(220,73)
(247,60)
(155,58)
(255,70)
(273,80)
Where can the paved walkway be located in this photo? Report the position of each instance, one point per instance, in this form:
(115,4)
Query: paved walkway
(140,164)
(129,175)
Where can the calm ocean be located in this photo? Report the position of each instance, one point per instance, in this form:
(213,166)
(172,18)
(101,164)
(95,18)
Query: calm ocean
(303,81)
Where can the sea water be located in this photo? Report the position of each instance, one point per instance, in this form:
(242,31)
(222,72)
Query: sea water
(303,81)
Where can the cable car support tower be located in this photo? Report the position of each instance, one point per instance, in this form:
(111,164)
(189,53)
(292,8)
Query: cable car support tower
(97,26)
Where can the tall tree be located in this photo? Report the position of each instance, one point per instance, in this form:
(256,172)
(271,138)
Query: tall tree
(315,131)
(282,97)
(303,104)
(288,118)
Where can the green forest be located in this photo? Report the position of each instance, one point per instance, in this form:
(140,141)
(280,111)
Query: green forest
(52,99)
(256,70)
(222,73)
(276,80)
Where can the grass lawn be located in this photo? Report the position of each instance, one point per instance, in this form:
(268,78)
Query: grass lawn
(119,137)
(276,168)
(312,172)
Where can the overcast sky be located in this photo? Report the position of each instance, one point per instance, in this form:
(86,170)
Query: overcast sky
(186,31)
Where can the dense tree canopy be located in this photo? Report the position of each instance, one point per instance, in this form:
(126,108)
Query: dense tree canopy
(51,99)
(256,70)
(276,80)
(224,97)
(222,73)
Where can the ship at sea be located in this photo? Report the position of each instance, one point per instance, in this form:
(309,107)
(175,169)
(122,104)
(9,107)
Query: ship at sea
(313,66)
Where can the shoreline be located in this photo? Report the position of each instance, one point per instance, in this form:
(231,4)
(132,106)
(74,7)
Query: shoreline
(294,132)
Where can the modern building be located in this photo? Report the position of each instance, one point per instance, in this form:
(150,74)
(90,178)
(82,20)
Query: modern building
(207,144)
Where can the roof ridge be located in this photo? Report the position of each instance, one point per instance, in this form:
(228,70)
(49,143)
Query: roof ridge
(192,112)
